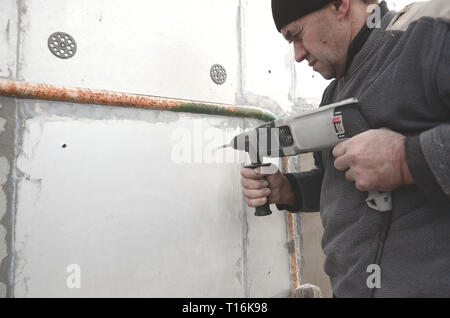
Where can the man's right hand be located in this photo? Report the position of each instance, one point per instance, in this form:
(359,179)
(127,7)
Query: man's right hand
(256,189)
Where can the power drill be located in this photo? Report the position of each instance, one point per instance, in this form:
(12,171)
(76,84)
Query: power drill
(315,130)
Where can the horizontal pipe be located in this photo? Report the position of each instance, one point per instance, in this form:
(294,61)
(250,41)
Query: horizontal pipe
(100,97)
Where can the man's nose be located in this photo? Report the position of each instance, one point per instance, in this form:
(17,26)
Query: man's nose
(300,52)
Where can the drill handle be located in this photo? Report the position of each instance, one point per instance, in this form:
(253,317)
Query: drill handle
(263,210)
(380,201)
(354,124)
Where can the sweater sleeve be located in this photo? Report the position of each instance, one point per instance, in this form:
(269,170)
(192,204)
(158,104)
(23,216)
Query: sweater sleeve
(428,158)
(428,154)
(307,187)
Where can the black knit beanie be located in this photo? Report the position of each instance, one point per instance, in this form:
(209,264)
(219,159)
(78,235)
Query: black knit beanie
(286,11)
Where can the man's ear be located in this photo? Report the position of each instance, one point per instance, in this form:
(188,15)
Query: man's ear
(341,8)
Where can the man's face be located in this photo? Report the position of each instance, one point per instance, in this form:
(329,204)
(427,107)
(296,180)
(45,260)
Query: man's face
(320,39)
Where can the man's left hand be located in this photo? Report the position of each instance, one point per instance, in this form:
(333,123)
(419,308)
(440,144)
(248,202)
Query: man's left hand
(375,160)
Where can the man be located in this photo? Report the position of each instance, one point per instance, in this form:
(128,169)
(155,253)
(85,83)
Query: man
(400,72)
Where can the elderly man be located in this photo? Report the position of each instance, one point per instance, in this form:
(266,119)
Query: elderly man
(399,69)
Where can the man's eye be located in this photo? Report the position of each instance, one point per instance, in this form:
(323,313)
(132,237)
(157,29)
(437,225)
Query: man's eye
(295,38)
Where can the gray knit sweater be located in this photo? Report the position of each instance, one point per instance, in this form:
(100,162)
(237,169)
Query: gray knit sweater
(402,78)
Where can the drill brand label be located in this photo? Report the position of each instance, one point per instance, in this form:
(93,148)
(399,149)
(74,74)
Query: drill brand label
(338,125)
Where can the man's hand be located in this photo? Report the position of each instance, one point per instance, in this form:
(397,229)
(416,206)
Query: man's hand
(256,189)
(375,160)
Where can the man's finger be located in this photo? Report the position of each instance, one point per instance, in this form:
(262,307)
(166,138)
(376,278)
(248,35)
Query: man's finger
(250,174)
(254,184)
(256,202)
(349,175)
(340,149)
(256,194)
(342,163)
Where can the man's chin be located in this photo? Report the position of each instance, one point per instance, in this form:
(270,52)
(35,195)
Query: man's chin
(325,75)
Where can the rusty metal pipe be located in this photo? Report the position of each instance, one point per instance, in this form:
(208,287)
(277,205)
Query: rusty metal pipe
(100,97)
(292,250)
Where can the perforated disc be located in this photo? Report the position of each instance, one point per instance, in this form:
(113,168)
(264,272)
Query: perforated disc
(218,74)
(62,45)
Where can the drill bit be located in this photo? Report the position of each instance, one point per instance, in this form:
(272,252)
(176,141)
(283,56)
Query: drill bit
(222,147)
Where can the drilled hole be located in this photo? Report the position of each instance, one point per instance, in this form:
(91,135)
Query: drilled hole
(64,145)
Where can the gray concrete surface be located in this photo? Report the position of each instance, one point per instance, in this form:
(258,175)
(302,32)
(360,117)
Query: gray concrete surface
(110,192)
(7,192)
(9,24)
